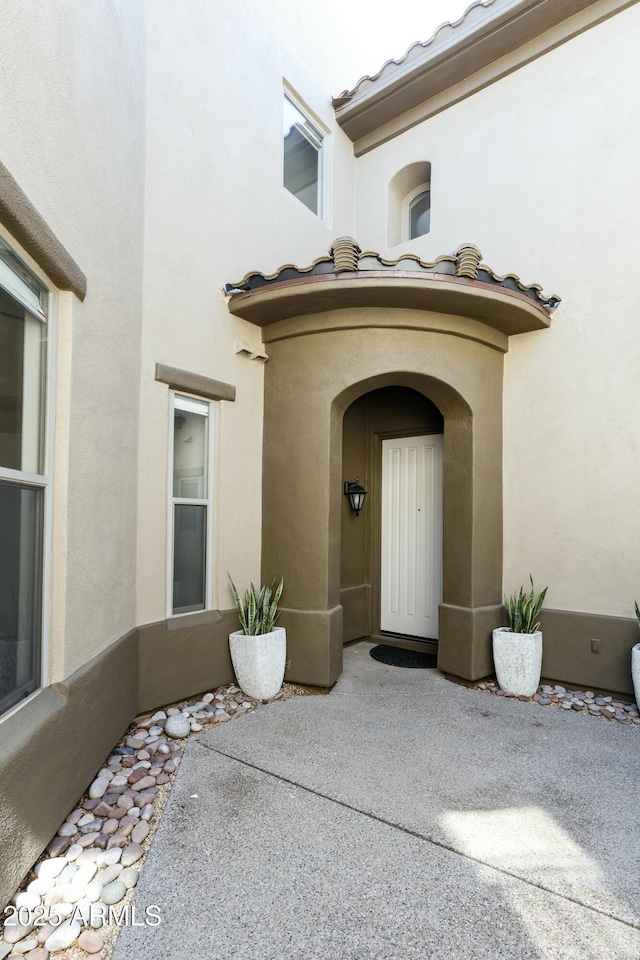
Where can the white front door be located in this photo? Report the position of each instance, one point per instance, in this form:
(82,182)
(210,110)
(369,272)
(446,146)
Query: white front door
(411,586)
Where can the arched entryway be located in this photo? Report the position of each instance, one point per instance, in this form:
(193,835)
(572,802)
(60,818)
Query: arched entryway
(310,382)
(438,329)
(391,553)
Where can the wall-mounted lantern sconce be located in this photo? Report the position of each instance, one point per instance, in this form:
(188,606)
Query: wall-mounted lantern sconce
(356,495)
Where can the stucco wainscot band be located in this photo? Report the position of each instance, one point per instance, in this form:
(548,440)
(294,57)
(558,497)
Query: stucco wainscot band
(53,743)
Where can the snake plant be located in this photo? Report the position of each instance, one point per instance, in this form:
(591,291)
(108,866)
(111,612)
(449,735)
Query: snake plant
(523,609)
(259,612)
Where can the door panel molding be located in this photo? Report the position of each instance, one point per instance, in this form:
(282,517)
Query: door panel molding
(411,534)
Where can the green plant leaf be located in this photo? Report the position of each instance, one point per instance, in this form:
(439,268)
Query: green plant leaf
(523,609)
(259,612)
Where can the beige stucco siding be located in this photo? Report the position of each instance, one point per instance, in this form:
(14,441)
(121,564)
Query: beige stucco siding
(216,207)
(71,130)
(538,170)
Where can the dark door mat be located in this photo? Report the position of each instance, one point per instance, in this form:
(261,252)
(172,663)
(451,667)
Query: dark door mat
(397,657)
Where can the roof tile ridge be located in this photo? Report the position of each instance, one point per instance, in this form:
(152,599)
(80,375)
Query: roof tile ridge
(408,256)
(537,287)
(447,25)
(274,276)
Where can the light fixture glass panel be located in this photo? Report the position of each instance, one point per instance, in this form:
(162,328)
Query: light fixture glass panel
(22,386)
(420,215)
(190,421)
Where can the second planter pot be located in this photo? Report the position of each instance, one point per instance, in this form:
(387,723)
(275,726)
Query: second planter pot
(635,670)
(517,658)
(259,662)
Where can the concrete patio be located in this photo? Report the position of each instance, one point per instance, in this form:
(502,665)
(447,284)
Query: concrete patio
(401,816)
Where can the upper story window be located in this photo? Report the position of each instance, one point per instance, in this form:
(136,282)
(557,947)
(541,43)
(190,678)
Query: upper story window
(303,157)
(409,203)
(419,213)
(23,481)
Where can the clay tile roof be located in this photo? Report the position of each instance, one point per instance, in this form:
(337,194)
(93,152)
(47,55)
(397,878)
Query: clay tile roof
(441,36)
(345,259)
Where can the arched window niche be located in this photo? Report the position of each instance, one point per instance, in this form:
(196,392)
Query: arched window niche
(409,203)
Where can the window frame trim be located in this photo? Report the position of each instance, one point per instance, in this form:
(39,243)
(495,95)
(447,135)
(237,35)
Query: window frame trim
(323,134)
(208,503)
(406,211)
(44,480)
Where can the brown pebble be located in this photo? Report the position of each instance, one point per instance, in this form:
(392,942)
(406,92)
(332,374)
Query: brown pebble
(102,809)
(128,761)
(147,796)
(110,826)
(162,778)
(116,841)
(138,774)
(43,932)
(90,941)
(87,840)
(144,783)
(124,829)
(38,954)
(131,855)
(58,846)
(140,831)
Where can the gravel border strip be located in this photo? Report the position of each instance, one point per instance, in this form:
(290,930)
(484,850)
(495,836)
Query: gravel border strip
(585,702)
(109,832)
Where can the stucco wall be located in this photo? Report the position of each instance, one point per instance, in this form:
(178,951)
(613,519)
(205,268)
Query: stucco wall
(71,134)
(216,208)
(539,171)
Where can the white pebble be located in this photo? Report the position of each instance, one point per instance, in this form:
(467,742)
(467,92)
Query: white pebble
(40,886)
(28,900)
(14,932)
(49,869)
(24,946)
(68,873)
(85,874)
(63,936)
(97,789)
(107,858)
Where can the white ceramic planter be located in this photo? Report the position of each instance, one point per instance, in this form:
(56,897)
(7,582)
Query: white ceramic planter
(635,670)
(259,662)
(517,658)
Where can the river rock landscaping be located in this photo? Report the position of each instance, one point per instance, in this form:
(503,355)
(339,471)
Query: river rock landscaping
(93,862)
(73,901)
(582,701)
